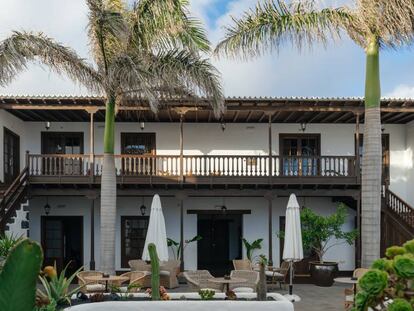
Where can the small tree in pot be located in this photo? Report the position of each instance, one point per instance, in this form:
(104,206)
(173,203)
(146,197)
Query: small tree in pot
(318,234)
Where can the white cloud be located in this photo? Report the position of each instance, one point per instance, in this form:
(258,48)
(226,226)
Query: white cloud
(402,91)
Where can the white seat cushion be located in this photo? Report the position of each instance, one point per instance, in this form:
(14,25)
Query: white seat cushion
(349,298)
(95,287)
(272,274)
(164,273)
(243,290)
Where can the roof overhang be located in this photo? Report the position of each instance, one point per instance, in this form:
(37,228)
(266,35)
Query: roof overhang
(238,110)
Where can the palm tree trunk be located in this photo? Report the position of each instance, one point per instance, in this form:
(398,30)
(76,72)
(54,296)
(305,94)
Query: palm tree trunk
(371,161)
(108,193)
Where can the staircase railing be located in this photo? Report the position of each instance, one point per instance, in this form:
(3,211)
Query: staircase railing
(402,209)
(12,198)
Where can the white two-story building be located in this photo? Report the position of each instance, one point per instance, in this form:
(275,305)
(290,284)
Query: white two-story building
(222,179)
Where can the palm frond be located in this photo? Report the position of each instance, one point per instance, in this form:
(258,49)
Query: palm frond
(23,47)
(392,21)
(274,23)
(165,24)
(108,30)
(186,70)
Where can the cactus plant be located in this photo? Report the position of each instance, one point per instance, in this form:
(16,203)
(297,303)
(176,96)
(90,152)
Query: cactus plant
(155,272)
(262,287)
(19,275)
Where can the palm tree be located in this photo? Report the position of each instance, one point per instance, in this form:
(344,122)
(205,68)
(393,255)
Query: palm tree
(372,24)
(150,51)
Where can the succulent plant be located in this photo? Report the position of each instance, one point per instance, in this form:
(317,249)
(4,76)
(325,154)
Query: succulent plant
(18,276)
(389,285)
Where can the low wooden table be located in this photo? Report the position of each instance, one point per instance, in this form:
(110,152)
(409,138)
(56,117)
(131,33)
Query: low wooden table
(348,280)
(107,279)
(226,282)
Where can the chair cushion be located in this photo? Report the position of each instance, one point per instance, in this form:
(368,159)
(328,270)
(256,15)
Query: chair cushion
(349,298)
(95,287)
(243,290)
(164,272)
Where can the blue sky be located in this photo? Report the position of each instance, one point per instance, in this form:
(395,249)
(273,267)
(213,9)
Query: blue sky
(336,71)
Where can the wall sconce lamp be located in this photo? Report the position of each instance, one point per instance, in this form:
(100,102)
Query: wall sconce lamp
(143,208)
(302,127)
(142,125)
(47,125)
(47,207)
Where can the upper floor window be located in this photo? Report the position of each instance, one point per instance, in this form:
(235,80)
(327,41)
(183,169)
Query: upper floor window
(138,143)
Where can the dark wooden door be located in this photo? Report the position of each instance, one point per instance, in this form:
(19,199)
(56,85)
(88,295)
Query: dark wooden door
(133,234)
(62,241)
(220,243)
(63,143)
(11,156)
(138,144)
(299,154)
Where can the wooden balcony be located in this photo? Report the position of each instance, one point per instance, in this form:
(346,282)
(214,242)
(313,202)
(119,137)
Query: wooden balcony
(195,170)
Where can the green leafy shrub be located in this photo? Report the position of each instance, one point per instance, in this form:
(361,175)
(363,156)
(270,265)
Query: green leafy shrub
(176,246)
(317,230)
(251,247)
(206,294)
(389,285)
(7,242)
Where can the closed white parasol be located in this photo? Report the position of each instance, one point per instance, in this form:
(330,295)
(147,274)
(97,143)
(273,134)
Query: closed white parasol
(293,249)
(156,231)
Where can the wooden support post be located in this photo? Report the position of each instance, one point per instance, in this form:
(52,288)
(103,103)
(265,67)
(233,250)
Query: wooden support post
(270,150)
(358,244)
(92,144)
(181,149)
(269,197)
(181,196)
(92,196)
(357,153)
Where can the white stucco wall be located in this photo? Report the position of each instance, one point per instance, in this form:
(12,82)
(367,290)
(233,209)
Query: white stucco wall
(255,225)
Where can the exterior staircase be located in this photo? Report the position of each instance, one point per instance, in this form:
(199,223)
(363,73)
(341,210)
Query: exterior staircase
(12,198)
(397,221)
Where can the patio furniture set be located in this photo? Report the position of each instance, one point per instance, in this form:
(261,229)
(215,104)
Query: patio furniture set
(243,279)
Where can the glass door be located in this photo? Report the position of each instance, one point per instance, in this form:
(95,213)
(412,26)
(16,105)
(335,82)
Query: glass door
(11,156)
(133,234)
(300,154)
(65,144)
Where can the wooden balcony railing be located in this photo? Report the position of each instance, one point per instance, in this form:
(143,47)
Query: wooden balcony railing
(401,208)
(197,165)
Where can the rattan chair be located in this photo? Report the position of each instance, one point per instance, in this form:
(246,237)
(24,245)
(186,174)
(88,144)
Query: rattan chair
(168,272)
(349,292)
(242,264)
(198,279)
(89,286)
(134,278)
(278,275)
(252,279)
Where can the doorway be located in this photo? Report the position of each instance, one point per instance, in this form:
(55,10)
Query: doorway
(62,242)
(221,242)
(11,156)
(299,154)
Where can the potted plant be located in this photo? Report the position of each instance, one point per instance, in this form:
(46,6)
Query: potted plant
(317,234)
(176,247)
(251,247)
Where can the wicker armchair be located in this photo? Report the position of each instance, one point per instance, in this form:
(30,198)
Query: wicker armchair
(168,273)
(134,278)
(242,264)
(198,279)
(87,286)
(252,279)
(349,292)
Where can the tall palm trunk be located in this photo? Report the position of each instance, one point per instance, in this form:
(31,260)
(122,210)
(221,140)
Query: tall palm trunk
(108,193)
(371,161)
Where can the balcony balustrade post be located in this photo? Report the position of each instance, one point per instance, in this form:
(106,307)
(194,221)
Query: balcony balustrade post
(92,112)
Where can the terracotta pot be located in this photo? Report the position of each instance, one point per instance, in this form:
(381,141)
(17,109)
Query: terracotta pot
(323,274)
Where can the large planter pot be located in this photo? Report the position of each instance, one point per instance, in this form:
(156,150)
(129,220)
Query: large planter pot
(323,274)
